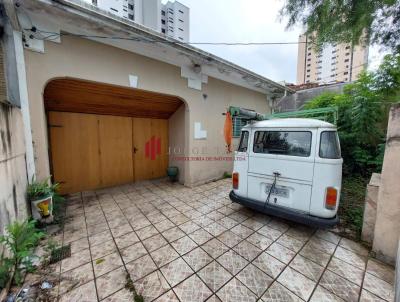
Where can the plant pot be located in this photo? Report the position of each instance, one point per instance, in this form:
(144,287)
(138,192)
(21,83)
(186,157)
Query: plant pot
(173,173)
(42,208)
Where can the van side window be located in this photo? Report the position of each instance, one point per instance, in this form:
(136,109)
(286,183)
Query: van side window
(292,143)
(244,141)
(329,146)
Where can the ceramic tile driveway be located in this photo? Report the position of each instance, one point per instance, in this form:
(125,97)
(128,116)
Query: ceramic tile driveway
(182,244)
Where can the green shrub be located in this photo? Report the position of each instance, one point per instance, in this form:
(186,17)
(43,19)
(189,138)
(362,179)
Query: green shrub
(20,239)
(37,190)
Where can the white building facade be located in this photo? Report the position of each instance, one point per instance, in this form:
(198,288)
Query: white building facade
(171,19)
(175,20)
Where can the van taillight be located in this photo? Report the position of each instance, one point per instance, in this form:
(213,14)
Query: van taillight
(331,198)
(235,180)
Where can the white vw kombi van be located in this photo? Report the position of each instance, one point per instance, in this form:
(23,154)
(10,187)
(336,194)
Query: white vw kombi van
(290,168)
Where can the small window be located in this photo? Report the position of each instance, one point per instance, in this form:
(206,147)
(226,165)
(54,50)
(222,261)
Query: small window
(163,30)
(292,143)
(113,9)
(347,60)
(163,12)
(244,141)
(329,145)
(130,16)
(163,21)
(238,124)
(130,6)
(181,11)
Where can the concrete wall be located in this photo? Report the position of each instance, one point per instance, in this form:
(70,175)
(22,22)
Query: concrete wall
(85,59)
(371,201)
(13,176)
(13,179)
(387,226)
(296,100)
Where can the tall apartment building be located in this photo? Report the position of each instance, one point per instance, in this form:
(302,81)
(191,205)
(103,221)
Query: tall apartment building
(175,20)
(171,19)
(334,63)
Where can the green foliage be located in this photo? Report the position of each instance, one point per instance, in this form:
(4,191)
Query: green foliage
(352,198)
(362,121)
(58,208)
(50,250)
(352,21)
(131,287)
(41,189)
(227,175)
(5,269)
(21,238)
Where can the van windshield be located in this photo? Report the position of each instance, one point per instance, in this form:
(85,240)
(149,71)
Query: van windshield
(329,145)
(292,143)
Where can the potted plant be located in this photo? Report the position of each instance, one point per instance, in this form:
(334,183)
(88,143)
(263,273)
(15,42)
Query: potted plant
(40,194)
(173,173)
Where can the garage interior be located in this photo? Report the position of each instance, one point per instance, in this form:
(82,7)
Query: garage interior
(103,135)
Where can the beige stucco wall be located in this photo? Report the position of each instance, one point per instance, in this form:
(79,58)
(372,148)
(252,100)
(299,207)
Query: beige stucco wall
(387,225)
(84,59)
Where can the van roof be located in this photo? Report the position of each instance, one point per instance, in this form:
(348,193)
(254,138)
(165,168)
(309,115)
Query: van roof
(291,123)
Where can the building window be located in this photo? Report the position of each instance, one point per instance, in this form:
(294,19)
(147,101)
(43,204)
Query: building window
(347,47)
(180,38)
(347,60)
(347,53)
(130,6)
(308,76)
(113,9)
(163,12)
(130,16)
(308,70)
(308,65)
(238,124)
(180,20)
(346,73)
(162,21)
(181,11)
(309,59)
(163,30)
(180,29)
(309,54)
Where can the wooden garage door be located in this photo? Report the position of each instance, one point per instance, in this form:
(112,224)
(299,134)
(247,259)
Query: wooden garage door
(91,151)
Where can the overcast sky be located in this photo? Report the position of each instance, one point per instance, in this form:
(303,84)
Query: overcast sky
(247,21)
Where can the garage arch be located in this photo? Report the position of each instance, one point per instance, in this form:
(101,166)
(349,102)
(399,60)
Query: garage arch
(102,135)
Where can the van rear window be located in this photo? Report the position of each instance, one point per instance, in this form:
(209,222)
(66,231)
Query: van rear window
(244,141)
(329,146)
(291,143)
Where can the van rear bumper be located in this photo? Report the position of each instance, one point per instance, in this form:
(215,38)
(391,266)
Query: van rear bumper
(285,213)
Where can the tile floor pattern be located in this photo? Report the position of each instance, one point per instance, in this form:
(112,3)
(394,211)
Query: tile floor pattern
(189,245)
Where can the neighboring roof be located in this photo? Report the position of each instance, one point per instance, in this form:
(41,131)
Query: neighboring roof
(291,123)
(78,17)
